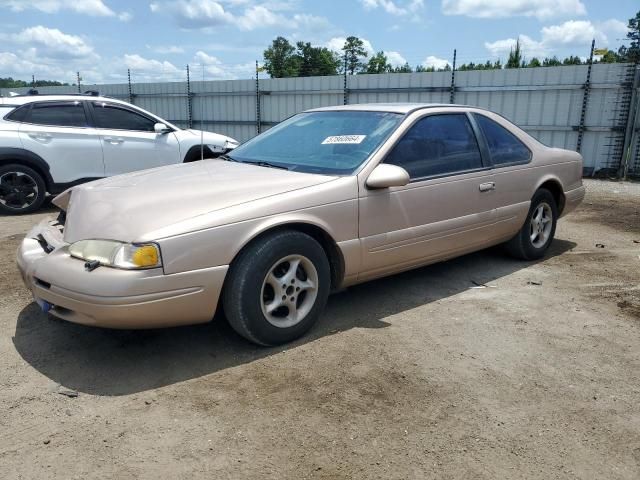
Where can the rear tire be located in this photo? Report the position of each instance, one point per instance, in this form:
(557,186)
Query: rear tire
(535,236)
(22,189)
(277,288)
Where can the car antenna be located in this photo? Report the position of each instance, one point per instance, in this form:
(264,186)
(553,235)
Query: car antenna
(202,119)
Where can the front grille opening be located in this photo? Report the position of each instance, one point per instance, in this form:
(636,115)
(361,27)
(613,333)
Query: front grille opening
(42,283)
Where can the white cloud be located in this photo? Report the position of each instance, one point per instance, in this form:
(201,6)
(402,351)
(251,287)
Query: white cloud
(165,49)
(93,8)
(52,43)
(613,28)
(530,48)
(195,13)
(392,8)
(573,33)
(19,67)
(336,44)
(395,59)
(260,17)
(208,14)
(435,62)
(150,68)
(541,9)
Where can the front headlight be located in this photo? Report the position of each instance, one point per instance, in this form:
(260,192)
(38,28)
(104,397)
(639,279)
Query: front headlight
(117,254)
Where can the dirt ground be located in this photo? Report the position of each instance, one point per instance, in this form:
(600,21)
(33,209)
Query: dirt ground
(480,367)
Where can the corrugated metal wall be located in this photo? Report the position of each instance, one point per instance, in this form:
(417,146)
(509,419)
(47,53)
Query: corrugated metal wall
(546,102)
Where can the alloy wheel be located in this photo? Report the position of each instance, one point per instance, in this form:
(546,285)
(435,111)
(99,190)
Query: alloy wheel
(18,190)
(289,291)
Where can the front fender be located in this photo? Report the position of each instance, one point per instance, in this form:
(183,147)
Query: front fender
(220,245)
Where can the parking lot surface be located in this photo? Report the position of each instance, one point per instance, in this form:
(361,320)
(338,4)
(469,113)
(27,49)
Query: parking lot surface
(479,367)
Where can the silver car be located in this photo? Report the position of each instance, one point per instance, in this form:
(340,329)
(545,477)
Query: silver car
(329,198)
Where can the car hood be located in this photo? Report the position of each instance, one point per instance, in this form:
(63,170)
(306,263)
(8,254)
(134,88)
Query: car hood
(126,207)
(208,138)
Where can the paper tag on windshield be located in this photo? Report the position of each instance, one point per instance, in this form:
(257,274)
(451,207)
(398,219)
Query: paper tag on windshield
(343,139)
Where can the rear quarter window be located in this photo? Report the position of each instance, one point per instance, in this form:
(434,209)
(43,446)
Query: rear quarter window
(504,147)
(13,113)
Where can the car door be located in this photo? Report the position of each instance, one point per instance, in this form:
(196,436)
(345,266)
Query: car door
(510,158)
(58,131)
(445,210)
(129,141)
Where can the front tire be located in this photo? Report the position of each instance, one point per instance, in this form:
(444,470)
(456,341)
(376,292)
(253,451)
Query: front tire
(535,236)
(277,288)
(22,189)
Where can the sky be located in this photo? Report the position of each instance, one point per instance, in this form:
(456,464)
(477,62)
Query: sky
(222,39)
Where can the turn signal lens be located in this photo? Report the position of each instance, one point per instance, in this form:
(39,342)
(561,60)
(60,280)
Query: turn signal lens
(146,256)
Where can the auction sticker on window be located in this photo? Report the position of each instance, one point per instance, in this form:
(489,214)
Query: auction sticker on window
(343,139)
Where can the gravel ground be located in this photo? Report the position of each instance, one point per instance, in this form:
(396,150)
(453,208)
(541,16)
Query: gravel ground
(480,367)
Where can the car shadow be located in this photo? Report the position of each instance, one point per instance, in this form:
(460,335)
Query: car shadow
(119,362)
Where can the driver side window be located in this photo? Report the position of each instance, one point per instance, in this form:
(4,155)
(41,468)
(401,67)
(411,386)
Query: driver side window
(437,145)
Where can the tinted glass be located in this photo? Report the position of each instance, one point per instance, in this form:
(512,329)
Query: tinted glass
(13,113)
(59,114)
(334,142)
(437,145)
(504,147)
(109,116)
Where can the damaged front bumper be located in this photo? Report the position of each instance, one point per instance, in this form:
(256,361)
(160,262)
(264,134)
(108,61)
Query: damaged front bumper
(110,297)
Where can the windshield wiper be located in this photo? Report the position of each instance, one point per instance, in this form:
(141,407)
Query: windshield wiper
(226,157)
(267,164)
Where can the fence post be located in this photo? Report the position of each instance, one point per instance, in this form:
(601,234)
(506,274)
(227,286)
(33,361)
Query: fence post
(78,77)
(452,95)
(585,100)
(129,82)
(258,118)
(189,102)
(631,122)
(345,100)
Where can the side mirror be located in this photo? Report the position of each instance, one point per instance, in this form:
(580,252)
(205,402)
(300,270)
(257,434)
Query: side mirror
(161,128)
(386,175)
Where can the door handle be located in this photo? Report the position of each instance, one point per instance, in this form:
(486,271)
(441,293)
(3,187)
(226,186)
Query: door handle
(39,135)
(114,140)
(485,187)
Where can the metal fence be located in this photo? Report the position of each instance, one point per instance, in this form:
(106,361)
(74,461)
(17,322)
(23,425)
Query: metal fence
(589,108)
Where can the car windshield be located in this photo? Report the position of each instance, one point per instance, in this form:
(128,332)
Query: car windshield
(331,142)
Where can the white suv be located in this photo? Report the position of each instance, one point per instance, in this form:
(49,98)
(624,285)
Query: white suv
(51,142)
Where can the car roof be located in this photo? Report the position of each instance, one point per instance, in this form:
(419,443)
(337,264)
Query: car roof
(24,99)
(388,107)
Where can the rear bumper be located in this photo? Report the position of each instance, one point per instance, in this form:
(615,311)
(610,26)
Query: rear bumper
(572,199)
(109,297)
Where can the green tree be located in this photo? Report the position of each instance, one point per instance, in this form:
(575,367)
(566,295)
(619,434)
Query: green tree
(312,61)
(572,60)
(378,64)
(355,54)
(11,83)
(633,51)
(279,59)
(533,63)
(515,59)
(610,57)
(406,68)
(551,62)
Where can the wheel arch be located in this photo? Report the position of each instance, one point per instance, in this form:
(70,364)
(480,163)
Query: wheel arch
(554,185)
(315,231)
(193,154)
(20,156)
